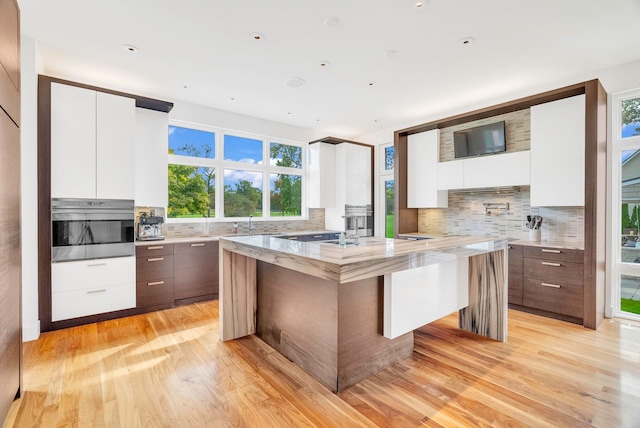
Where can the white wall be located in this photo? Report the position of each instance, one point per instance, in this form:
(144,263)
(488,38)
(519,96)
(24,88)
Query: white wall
(31,67)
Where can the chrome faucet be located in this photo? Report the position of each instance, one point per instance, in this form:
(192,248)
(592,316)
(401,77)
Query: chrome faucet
(251,228)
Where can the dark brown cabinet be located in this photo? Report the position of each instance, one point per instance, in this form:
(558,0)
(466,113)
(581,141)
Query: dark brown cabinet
(551,281)
(195,270)
(515,275)
(154,275)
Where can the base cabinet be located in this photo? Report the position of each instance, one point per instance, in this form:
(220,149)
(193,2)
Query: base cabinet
(154,275)
(548,281)
(195,270)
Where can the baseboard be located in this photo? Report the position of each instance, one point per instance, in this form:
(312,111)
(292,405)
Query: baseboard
(31,332)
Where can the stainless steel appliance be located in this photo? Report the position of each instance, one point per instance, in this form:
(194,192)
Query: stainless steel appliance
(150,227)
(91,229)
(358,220)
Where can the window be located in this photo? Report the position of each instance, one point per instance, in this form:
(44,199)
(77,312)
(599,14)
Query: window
(247,185)
(387,192)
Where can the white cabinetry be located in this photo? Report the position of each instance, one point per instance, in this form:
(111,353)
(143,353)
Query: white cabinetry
(478,172)
(512,169)
(422,171)
(557,152)
(151,173)
(322,175)
(92,140)
(356,163)
(90,287)
(508,169)
(451,175)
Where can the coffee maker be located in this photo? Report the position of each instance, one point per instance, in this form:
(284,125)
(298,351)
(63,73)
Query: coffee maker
(150,227)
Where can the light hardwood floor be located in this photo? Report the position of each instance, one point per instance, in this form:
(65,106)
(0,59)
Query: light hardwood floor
(169,368)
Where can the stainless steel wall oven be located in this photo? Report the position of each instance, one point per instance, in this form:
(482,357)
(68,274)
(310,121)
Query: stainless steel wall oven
(91,229)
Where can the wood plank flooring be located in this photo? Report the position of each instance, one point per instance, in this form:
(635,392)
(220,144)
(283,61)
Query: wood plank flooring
(169,369)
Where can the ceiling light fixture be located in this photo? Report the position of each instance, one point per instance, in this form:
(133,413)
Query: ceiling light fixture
(332,22)
(419,3)
(130,48)
(232,98)
(185,86)
(258,37)
(467,40)
(324,64)
(372,83)
(294,82)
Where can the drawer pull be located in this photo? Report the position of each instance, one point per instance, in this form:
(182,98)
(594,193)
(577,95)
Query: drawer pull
(292,238)
(96,264)
(157,247)
(198,245)
(551,264)
(155,283)
(317,236)
(546,284)
(156,259)
(102,290)
(544,250)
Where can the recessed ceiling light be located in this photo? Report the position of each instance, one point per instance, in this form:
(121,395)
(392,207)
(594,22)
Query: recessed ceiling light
(294,82)
(419,3)
(390,53)
(376,120)
(258,37)
(467,40)
(332,22)
(324,64)
(232,98)
(372,83)
(288,112)
(130,48)
(185,86)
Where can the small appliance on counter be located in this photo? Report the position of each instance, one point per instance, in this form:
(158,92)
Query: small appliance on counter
(150,227)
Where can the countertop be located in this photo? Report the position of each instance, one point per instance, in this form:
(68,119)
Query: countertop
(575,245)
(188,239)
(372,257)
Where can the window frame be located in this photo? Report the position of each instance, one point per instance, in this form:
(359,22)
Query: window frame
(220,164)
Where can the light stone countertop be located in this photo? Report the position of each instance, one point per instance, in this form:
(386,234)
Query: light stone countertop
(549,244)
(372,257)
(203,238)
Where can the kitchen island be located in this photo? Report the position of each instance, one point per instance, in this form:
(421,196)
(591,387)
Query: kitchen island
(344,313)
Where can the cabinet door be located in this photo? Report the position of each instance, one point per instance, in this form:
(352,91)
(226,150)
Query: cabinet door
(479,172)
(557,152)
(115,143)
(357,164)
(450,175)
(151,172)
(322,175)
(512,169)
(515,274)
(195,269)
(73,142)
(422,171)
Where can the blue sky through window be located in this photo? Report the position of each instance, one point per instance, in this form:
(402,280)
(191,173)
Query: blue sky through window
(201,141)
(241,149)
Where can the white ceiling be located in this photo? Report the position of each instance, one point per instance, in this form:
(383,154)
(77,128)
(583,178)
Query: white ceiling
(207,45)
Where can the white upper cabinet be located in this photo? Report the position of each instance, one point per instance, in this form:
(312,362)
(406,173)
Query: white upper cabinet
(422,171)
(512,169)
(557,153)
(451,175)
(479,172)
(73,142)
(322,175)
(115,143)
(151,151)
(357,173)
(92,144)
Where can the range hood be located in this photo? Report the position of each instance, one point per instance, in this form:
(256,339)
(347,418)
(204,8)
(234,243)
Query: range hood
(484,190)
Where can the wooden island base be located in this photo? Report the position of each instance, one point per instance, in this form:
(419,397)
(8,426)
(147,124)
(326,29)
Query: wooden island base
(332,331)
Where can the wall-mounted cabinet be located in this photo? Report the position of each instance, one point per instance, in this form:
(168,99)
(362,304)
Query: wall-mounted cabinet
(322,175)
(508,169)
(92,144)
(558,153)
(151,173)
(423,155)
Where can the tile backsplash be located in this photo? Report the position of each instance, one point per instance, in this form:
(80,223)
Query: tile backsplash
(200,228)
(466,216)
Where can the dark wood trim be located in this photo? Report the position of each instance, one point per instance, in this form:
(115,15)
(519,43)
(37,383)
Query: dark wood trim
(406,220)
(595,204)
(142,102)
(44,202)
(547,314)
(336,140)
(190,300)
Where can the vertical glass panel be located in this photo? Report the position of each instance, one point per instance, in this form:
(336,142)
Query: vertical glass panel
(191,191)
(192,142)
(285,155)
(630,118)
(388,208)
(389,158)
(630,206)
(242,193)
(241,149)
(630,294)
(286,195)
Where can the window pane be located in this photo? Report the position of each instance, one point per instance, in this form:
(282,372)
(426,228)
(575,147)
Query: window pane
(286,195)
(191,191)
(630,118)
(241,149)
(630,294)
(388,157)
(192,142)
(630,208)
(389,208)
(285,155)
(242,193)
